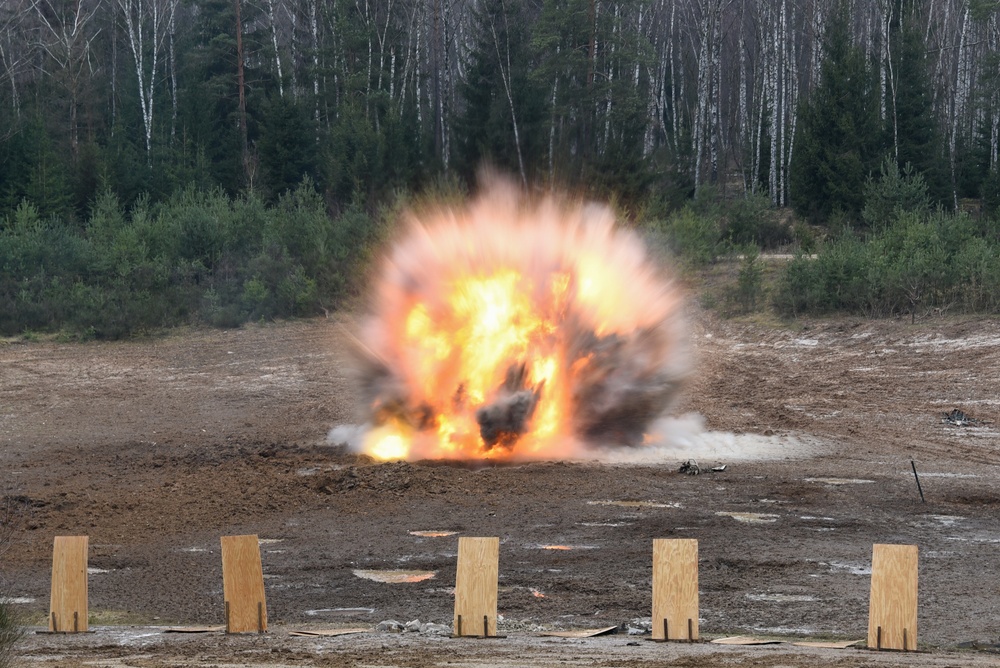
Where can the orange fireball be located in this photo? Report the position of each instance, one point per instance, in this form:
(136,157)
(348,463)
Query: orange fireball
(517,328)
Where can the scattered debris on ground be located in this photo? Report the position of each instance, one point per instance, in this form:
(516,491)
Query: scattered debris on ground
(961,419)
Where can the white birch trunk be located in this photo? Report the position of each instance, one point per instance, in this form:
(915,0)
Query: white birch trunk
(274,45)
(146,24)
(961,92)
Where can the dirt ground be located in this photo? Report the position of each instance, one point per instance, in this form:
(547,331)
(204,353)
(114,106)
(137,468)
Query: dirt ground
(157,448)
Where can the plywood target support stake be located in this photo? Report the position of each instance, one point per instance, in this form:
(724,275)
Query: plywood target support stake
(892,612)
(69,585)
(675,589)
(243,585)
(476,586)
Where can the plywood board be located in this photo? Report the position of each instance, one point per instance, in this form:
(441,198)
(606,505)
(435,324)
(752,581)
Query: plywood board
(326,632)
(476,586)
(675,589)
(243,585)
(823,644)
(580,633)
(746,640)
(68,610)
(892,612)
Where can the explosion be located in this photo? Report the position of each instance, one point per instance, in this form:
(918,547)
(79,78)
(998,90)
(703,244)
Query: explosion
(517,328)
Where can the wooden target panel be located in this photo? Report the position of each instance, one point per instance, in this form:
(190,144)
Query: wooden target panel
(476,587)
(892,612)
(675,589)
(68,609)
(243,585)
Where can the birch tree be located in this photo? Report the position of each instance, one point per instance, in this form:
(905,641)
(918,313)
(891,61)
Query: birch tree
(147,24)
(68,31)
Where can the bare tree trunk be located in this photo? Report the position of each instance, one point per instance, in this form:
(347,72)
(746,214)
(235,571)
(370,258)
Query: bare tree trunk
(436,48)
(146,21)
(241,86)
(793,104)
(774,69)
(314,35)
(274,45)
(961,94)
(66,39)
(505,77)
(674,104)
(173,78)
(716,85)
(702,100)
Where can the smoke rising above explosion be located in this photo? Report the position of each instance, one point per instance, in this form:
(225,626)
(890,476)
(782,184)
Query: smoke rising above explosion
(514,327)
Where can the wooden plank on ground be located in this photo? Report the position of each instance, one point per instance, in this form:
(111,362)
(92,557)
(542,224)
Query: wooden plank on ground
(68,610)
(675,589)
(826,644)
(580,633)
(243,585)
(746,640)
(316,633)
(476,586)
(892,613)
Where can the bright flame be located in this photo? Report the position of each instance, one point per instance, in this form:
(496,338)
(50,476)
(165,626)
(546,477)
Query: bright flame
(517,329)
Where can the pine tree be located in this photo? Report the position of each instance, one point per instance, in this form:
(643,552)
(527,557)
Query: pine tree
(911,125)
(838,144)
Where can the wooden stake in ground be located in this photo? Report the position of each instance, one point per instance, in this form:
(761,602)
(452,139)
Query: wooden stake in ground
(892,613)
(675,589)
(243,585)
(476,587)
(68,610)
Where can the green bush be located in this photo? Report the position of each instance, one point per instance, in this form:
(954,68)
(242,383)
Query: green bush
(12,513)
(197,257)
(748,292)
(917,262)
(752,220)
(692,237)
(11,631)
(895,192)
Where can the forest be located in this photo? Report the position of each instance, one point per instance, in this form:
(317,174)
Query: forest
(217,161)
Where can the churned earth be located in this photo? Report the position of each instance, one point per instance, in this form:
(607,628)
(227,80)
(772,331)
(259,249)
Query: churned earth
(156,448)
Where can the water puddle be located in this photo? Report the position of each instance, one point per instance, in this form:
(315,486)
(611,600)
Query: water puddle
(95,571)
(270,541)
(853,569)
(634,504)
(395,577)
(606,524)
(782,598)
(13,600)
(840,481)
(340,611)
(947,520)
(943,475)
(751,518)
(562,548)
(432,534)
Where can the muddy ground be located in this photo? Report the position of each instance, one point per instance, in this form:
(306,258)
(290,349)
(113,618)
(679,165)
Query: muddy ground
(156,448)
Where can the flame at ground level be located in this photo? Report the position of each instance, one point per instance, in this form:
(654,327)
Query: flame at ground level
(516,328)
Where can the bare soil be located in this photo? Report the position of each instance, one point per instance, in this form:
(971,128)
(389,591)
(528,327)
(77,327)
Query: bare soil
(156,448)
